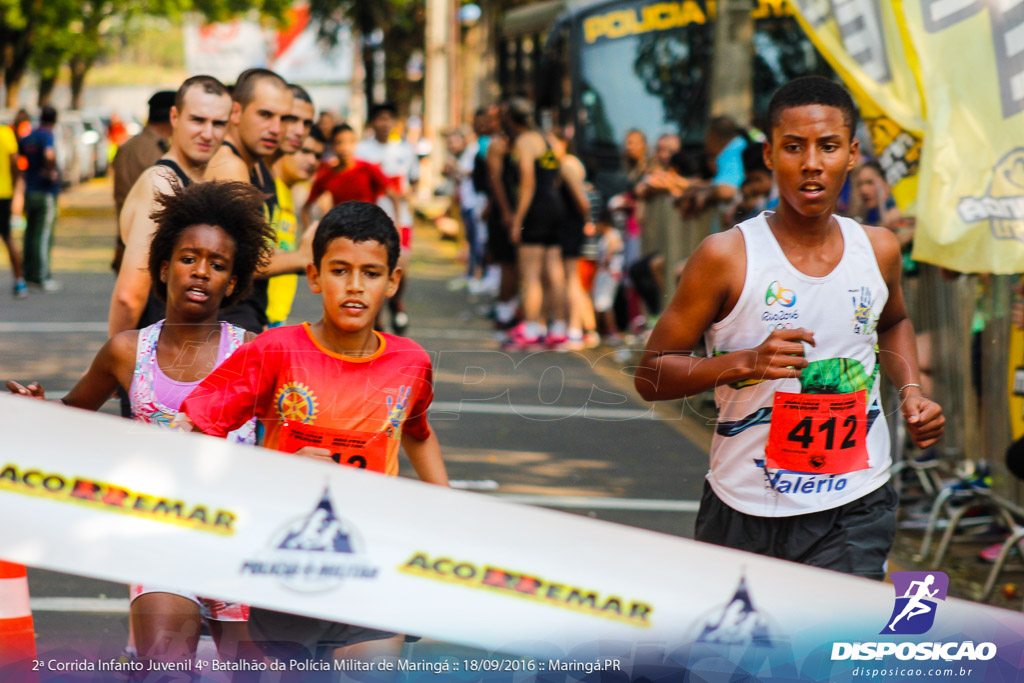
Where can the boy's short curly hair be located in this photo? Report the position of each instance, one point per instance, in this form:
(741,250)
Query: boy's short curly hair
(236,208)
(359,222)
(808,90)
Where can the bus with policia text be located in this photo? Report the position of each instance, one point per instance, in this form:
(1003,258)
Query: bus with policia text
(600,68)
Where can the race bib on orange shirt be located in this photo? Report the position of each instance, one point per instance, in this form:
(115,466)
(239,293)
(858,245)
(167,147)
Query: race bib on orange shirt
(818,433)
(365,450)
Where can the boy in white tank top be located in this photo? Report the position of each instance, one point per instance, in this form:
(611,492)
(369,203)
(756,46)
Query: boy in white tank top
(800,309)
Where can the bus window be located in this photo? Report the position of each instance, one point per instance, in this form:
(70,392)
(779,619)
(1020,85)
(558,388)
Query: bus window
(646,64)
(656,82)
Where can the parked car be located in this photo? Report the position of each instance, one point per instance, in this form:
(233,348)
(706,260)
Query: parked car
(94,141)
(63,143)
(80,142)
(72,157)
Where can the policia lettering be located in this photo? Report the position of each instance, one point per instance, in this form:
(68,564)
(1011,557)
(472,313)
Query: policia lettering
(661,16)
(1007,37)
(521,585)
(103,496)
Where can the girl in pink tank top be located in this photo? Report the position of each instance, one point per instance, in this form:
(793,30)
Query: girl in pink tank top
(155,397)
(210,239)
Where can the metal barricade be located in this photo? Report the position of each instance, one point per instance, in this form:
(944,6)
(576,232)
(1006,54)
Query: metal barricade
(971,368)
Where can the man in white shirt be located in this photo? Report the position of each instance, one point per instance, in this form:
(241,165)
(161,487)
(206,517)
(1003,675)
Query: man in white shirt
(398,161)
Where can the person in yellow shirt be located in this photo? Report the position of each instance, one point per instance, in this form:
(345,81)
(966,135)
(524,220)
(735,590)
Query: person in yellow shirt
(8,177)
(295,128)
(289,171)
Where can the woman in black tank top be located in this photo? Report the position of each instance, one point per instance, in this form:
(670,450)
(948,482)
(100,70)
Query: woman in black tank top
(537,222)
(577,202)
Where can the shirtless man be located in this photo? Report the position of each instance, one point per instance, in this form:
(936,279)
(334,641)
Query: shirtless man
(258,125)
(199,121)
(295,126)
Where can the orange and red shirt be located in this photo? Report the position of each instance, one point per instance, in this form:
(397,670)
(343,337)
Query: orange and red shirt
(304,394)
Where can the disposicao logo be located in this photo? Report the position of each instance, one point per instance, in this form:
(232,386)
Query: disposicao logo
(917,598)
(917,594)
(777,294)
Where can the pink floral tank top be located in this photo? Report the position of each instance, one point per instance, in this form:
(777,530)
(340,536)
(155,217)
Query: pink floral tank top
(155,397)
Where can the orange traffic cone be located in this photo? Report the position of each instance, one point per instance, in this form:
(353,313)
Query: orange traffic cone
(17,635)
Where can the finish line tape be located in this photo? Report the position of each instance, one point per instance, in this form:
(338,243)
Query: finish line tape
(104,497)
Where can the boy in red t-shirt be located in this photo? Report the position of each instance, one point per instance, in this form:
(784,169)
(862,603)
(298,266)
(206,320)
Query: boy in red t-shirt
(334,381)
(351,179)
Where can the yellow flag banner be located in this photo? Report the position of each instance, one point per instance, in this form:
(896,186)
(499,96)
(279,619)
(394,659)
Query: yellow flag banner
(862,40)
(971,185)
(940,84)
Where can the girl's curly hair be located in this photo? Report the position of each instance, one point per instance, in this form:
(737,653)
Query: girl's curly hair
(236,208)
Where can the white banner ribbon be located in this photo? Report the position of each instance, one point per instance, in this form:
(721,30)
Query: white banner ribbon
(100,496)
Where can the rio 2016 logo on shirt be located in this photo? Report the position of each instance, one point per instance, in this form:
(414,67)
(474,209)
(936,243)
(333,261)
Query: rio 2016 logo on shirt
(777,294)
(917,594)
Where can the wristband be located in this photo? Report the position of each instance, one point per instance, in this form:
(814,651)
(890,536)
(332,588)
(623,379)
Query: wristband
(899,392)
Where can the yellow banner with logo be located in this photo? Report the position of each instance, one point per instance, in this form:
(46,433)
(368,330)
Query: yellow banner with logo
(940,84)
(862,40)
(971,200)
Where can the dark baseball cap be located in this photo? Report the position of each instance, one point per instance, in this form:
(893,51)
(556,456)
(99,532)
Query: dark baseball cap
(160,106)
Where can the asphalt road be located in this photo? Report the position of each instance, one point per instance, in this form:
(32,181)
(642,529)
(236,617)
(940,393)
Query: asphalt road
(556,429)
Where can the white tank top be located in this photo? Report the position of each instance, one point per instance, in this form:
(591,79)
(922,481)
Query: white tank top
(842,310)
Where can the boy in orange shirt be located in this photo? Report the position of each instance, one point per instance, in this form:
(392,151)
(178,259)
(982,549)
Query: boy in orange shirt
(335,390)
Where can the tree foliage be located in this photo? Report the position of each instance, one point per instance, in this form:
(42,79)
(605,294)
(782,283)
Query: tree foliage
(50,34)
(400,21)
(17,27)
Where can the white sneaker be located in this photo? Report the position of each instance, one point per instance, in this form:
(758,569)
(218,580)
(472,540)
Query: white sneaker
(492,281)
(50,286)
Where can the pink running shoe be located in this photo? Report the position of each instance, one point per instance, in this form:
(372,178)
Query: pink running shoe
(519,340)
(556,341)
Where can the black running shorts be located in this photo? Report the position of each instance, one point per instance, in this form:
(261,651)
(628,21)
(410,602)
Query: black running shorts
(5,218)
(854,538)
(290,636)
(543,224)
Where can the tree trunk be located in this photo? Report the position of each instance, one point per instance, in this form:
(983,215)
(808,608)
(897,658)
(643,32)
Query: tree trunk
(17,47)
(437,83)
(79,68)
(46,85)
(12,86)
(15,71)
(399,44)
(369,73)
(732,61)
